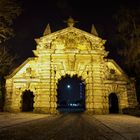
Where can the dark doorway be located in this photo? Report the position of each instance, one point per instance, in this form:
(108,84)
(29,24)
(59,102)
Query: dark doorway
(27,101)
(71,94)
(113,103)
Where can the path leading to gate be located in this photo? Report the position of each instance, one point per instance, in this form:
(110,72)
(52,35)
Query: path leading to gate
(28,126)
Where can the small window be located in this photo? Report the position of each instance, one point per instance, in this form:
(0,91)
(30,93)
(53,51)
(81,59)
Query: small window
(112,71)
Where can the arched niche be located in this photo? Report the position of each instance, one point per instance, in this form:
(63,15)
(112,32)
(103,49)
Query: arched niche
(113,103)
(27,101)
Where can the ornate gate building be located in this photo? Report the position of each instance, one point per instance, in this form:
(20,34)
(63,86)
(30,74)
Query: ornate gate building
(74,52)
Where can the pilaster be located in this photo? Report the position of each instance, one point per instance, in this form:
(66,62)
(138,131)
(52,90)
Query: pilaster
(42,103)
(89,103)
(97,88)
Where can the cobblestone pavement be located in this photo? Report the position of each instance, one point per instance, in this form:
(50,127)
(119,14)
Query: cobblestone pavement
(27,126)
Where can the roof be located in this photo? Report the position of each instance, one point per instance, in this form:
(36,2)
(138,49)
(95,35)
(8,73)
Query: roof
(48,38)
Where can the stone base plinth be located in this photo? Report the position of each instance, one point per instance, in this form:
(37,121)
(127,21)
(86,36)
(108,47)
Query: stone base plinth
(95,111)
(46,110)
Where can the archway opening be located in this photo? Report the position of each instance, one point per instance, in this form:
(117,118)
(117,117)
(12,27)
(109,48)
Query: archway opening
(113,103)
(27,101)
(71,94)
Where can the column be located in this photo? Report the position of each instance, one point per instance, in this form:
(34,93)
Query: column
(53,87)
(97,88)
(42,104)
(89,92)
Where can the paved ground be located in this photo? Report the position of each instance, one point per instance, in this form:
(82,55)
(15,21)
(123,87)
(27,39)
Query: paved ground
(27,126)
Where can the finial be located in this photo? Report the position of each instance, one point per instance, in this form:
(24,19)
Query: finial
(47,30)
(93,30)
(70,22)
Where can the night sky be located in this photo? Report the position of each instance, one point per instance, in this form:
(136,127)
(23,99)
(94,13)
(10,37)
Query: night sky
(37,14)
(71,89)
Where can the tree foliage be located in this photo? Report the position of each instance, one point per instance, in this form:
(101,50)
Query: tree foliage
(9,10)
(6,60)
(129,33)
(128,28)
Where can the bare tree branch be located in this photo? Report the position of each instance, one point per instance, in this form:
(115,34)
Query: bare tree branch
(129,32)
(9,10)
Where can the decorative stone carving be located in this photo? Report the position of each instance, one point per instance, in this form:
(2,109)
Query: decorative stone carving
(71,41)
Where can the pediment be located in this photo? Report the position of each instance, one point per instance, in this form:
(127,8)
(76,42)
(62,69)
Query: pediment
(112,65)
(22,70)
(114,72)
(70,38)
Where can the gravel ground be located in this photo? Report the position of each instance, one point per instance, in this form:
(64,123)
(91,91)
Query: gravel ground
(72,126)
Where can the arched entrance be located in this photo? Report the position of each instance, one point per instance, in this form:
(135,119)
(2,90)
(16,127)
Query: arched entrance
(27,101)
(113,103)
(71,94)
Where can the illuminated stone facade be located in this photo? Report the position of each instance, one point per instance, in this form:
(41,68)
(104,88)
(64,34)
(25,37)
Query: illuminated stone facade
(74,52)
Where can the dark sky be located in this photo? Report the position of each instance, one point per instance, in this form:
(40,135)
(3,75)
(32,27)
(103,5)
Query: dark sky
(38,13)
(73,92)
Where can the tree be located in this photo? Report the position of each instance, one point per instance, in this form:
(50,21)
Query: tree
(9,10)
(128,27)
(129,32)
(6,60)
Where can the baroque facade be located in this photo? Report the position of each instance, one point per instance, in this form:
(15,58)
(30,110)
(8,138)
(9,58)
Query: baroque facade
(74,52)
